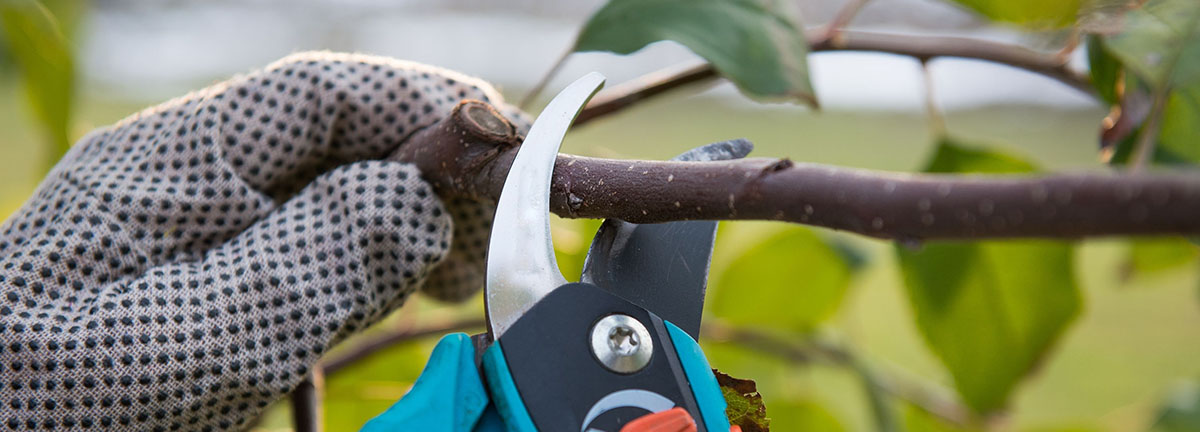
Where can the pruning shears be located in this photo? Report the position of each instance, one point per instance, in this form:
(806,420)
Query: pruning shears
(615,352)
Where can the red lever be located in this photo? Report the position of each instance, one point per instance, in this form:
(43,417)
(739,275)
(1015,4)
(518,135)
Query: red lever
(672,420)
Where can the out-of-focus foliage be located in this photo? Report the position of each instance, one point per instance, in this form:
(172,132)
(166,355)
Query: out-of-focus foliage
(916,420)
(1181,412)
(1105,71)
(1029,13)
(752,42)
(1160,43)
(1153,255)
(805,415)
(989,310)
(1159,47)
(371,385)
(37,40)
(951,156)
(790,281)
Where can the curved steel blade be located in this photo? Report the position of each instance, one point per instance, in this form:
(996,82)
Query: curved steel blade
(661,267)
(521,268)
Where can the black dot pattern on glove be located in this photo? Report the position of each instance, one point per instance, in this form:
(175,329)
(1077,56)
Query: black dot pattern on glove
(185,267)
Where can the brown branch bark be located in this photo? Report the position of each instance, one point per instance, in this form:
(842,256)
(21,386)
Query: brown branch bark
(922,48)
(469,153)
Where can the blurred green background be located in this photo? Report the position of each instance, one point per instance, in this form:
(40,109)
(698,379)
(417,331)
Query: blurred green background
(1133,344)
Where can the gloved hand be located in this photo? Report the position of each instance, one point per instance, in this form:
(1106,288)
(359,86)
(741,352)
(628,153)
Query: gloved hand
(185,267)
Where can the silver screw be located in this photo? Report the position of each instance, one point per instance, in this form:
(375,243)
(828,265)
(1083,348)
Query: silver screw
(622,344)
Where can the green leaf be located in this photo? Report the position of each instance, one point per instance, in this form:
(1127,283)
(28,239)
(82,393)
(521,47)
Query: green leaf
(989,310)
(1039,14)
(1180,126)
(1160,42)
(1181,413)
(953,156)
(751,42)
(1152,255)
(744,406)
(1105,71)
(371,385)
(803,414)
(572,238)
(792,281)
(917,420)
(40,48)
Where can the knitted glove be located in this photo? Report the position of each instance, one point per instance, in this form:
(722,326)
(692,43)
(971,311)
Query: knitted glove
(184,268)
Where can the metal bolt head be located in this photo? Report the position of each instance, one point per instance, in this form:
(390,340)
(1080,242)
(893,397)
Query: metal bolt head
(622,344)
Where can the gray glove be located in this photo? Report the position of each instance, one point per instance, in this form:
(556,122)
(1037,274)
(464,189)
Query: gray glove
(184,268)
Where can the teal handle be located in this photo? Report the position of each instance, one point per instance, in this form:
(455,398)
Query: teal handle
(700,377)
(505,396)
(448,396)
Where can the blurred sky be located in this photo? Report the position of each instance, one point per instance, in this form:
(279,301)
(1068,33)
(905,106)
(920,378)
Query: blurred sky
(147,49)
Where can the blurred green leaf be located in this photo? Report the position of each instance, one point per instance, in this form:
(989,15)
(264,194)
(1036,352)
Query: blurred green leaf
(918,420)
(1160,42)
(1181,413)
(368,387)
(1038,14)
(572,238)
(989,310)
(1105,71)
(37,43)
(1181,125)
(953,156)
(1152,255)
(803,415)
(1065,429)
(752,42)
(791,281)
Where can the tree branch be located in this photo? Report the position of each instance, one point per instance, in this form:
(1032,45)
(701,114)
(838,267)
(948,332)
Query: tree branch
(929,47)
(922,48)
(469,153)
(306,403)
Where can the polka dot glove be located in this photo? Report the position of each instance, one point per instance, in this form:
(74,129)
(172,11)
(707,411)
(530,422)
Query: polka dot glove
(184,268)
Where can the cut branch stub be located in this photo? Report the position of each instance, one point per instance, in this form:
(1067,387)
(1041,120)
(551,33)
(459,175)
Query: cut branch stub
(454,151)
(468,155)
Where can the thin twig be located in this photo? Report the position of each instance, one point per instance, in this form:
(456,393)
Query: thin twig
(623,95)
(920,47)
(877,396)
(469,154)
(388,338)
(842,18)
(937,123)
(930,47)
(1144,150)
(923,396)
(306,403)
